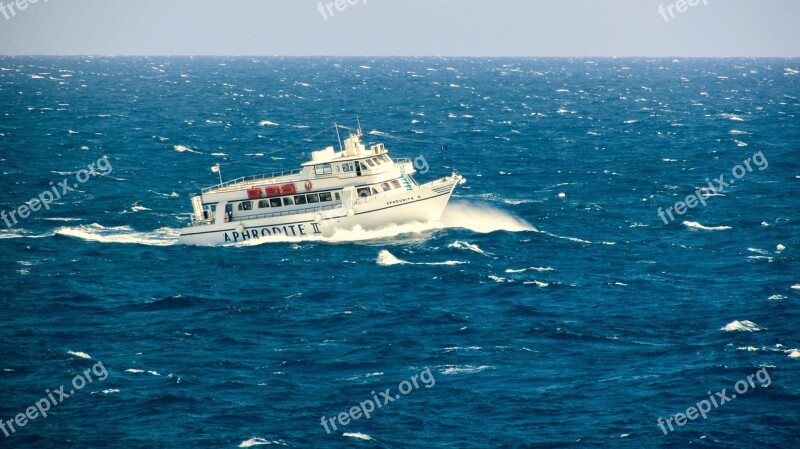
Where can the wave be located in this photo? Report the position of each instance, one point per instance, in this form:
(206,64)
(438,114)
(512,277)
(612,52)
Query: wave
(387,259)
(468,246)
(121,234)
(464,369)
(462,215)
(185,149)
(258,442)
(482,218)
(741,326)
(536,283)
(267,123)
(80,354)
(733,117)
(696,225)
(521,270)
(359,435)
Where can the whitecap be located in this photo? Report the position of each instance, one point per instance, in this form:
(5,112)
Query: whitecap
(185,149)
(468,246)
(359,435)
(82,355)
(499,279)
(742,326)
(747,348)
(794,354)
(539,269)
(111,391)
(267,123)
(134,370)
(482,218)
(536,283)
(696,225)
(733,117)
(385,258)
(464,369)
(120,234)
(254,442)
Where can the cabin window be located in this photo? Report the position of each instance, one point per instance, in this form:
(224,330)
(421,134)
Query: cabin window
(362,192)
(396,183)
(245,205)
(300,199)
(338,169)
(275,202)
(386,187)
(325,196)
(374,192)
(347,168)
(313,198)
(363,166)
(287,201)
(371,164)
(338,197)
(263,204)
(322,169)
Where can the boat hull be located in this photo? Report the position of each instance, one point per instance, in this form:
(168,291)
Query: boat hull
(420,205)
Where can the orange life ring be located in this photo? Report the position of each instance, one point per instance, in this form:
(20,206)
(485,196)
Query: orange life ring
(309,185)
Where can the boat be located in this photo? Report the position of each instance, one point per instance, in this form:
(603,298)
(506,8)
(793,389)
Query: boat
(356,188)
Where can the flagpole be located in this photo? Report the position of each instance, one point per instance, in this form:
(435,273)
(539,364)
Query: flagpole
(217,169)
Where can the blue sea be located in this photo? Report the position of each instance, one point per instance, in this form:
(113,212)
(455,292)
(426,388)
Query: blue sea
(557,304)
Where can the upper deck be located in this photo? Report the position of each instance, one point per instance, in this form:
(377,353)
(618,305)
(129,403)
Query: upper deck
(332,167)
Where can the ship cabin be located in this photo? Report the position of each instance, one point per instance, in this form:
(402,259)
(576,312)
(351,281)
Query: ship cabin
(330,180)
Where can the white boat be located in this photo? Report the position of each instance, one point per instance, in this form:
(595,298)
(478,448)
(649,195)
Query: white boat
(354,188)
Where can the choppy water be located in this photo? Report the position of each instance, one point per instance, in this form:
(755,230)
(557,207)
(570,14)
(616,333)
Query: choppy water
(553,306)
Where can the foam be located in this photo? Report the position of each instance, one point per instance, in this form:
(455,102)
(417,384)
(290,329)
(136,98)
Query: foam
(121,234)
(185,149)
(256,442)
(696,225)
(82,355)
(359,435)
(387,259)
(468,246)
(741,326)
(464,369)
(482,218)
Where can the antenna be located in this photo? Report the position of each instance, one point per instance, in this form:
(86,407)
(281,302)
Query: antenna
(338,136)
(359,126)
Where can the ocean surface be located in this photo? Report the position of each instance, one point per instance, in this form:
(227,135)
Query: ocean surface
(552,306)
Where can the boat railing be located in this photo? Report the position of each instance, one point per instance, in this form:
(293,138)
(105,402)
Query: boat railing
(289,212)
(265,179)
